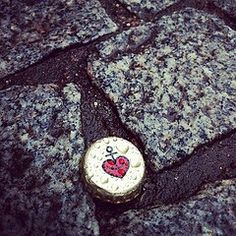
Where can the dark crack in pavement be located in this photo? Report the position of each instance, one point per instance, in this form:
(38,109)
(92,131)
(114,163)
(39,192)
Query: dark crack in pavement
(53,110)
(120,14)
(209,163)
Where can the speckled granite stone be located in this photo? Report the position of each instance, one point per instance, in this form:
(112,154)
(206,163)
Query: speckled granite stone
(141,7)
(30,31)
(178,91)
(227,5)
(126,41)
(40,149)
(211,212)
(147,7)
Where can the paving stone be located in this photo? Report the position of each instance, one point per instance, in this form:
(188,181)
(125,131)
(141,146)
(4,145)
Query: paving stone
(211,212)
(30,30)
(142,7)
(126,41)
(148,7)
(179,90)
(40,148)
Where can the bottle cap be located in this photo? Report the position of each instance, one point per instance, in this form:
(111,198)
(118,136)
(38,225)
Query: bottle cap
(113,170)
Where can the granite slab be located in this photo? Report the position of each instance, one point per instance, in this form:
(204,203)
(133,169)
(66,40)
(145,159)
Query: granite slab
(40,148)
(151,7)
(128,41)
(178,90)
(142,7)
(29,30)
(211,212)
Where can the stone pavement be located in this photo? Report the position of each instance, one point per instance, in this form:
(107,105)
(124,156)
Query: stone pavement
(161,74)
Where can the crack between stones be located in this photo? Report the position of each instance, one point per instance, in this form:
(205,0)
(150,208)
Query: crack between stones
(205,6)
(15,77)
(168,185)
(209,162)
(211,8)
(105,121)
(120,14)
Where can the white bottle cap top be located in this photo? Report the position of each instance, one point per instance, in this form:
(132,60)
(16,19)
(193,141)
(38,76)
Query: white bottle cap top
(113,169)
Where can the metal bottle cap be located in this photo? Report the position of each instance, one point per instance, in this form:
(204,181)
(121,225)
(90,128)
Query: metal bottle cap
(113,170)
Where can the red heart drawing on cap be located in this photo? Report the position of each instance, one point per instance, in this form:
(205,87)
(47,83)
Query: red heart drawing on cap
(117,167)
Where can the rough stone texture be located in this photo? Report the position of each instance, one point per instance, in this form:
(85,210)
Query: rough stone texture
(180,91)
(30,30)
(148,7)
(173,82)
(227,5)
(40,148)
(212,212)
(141,7)
(129,40)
